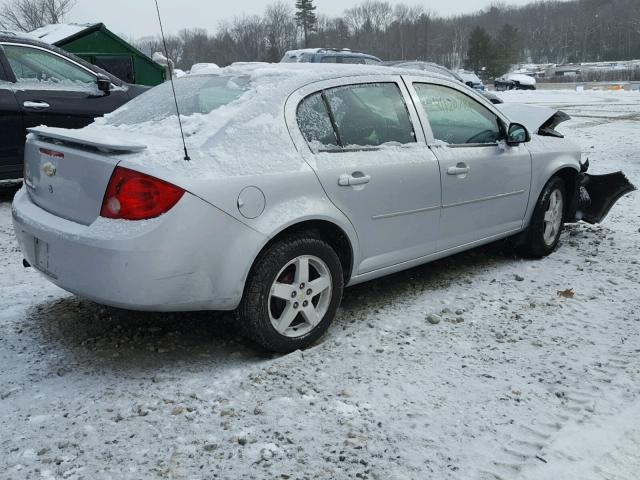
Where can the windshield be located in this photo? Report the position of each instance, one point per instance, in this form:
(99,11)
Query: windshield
(196,94)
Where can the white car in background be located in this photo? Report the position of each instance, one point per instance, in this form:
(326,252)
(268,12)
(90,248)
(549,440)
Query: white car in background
(471,79)
(205,68)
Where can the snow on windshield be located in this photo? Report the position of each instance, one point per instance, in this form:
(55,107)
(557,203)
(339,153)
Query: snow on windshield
(195,95)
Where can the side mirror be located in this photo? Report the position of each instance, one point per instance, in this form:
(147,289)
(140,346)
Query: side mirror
(104,84)
(517,134)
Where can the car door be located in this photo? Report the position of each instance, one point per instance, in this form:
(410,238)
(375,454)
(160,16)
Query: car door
(485,182)
(363,140)
(55,91)
(11,128)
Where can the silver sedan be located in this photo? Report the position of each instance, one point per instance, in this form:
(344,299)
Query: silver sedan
(299,180)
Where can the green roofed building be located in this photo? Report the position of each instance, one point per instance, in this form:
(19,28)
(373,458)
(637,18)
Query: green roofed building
(97,44)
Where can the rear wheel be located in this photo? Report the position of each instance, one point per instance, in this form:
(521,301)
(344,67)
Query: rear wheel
(292,294)
(543,234)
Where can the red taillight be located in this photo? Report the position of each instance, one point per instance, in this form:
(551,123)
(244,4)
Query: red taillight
(133,195)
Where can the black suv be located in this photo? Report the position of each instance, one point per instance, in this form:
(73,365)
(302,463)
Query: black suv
(43,85)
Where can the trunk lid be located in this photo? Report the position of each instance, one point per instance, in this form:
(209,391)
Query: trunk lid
(67,172)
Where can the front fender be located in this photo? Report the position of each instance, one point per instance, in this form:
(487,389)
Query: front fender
(550,156)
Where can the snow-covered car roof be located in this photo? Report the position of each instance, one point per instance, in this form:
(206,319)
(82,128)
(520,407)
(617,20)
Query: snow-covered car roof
(13,34)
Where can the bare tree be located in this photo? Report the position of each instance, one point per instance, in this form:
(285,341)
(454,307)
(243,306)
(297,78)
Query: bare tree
(281,29)
(27,15)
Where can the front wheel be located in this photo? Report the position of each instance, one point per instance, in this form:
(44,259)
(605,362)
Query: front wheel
(543,234)
(292,294)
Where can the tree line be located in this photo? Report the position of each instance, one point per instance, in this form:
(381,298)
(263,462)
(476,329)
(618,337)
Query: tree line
(491,39)
(544,31)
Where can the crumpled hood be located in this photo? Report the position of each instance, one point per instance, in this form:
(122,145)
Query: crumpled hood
(538,120)
(531,116)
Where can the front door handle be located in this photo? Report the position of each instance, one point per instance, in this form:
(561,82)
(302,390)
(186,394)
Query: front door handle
(460,169)
(36,105)
(356,178)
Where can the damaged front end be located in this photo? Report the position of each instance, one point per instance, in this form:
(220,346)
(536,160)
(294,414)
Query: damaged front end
(595,195)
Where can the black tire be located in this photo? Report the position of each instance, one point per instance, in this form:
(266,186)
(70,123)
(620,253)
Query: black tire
(253,312)
(533,242)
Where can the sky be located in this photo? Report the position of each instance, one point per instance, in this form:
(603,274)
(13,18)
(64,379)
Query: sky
(137,18)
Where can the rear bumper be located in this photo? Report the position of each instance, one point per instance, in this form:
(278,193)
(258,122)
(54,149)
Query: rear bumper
(193,258)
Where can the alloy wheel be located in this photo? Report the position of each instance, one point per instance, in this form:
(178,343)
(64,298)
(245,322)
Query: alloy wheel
(553,217)
(300,296)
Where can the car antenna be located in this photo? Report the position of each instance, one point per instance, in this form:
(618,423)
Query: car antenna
(173,87)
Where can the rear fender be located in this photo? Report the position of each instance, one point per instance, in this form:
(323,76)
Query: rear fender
(595,195)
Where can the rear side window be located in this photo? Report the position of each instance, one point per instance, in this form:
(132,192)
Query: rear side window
(370,115)
(353,60)
(456,118)
(367,115)
(315,123)
(32,65)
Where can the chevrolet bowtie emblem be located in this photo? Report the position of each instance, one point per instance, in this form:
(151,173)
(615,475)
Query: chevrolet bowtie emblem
(49,169)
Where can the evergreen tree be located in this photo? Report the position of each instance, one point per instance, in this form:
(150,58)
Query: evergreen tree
(507,50)
(306,18)
(480,52)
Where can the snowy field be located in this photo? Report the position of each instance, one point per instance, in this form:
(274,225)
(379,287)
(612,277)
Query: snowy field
(515,382)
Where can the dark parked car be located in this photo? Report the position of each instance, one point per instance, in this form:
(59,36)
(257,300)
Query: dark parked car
(515,81)
(329,55)
(43,85)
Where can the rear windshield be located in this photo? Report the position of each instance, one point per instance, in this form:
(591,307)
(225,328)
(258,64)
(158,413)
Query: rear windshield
(196,94)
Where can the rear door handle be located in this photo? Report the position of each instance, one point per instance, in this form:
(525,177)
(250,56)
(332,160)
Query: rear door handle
(458,170)
(36,105)
(357,178)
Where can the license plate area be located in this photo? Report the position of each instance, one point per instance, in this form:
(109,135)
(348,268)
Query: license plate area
(41,256)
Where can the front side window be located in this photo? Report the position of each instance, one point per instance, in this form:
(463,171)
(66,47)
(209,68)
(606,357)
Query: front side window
(32,65)
(456,118)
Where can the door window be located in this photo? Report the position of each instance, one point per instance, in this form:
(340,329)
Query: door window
(31,65)
(370,115)
(121,66)
(315,123)
(353,60)
(367,115)
(456,118)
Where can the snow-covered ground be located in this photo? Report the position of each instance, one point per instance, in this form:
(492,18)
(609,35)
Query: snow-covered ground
(516,381)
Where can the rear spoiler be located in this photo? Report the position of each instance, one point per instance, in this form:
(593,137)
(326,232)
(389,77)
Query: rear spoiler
(103,142)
